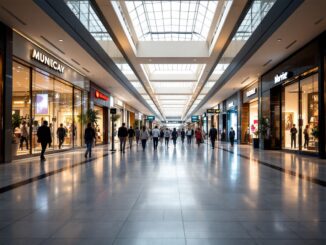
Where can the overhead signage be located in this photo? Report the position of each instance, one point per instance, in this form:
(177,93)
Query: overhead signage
(231,104)
(251,92)
(150,118)
(48,61)
(213,111)
(195,118)
(101,96)
(283,76)
(113,111)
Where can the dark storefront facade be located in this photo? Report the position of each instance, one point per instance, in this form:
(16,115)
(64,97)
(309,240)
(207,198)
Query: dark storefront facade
(292,102)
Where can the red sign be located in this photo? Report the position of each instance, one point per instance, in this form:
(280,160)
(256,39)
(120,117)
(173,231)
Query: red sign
(101,96)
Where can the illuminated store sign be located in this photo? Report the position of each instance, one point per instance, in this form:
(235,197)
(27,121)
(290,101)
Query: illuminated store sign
(150,118)
(213,111)
(50,62)
(283,76)
(99,95)
(195,118)
(251,92)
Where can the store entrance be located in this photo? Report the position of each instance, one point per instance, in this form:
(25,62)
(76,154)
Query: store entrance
(233,122)
(99,127)
(300,127)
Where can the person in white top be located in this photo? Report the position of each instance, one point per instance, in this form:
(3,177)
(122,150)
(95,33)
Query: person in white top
(155,135)
(144,135)
(167,134)
(189,135)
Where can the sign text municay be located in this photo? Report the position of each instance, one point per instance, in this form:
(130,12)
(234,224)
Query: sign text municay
(48,61)
(251,92)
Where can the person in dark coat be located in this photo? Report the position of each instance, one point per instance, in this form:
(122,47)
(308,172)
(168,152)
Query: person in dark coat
(213,135)
(232,136)
(122,134)
(183,135)
(44,137)
(174,137)
(89,137)
(61,134)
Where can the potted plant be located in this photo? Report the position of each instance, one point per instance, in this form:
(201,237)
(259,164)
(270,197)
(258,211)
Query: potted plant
(264,131)
(255,141)
(90,116)
(15,123)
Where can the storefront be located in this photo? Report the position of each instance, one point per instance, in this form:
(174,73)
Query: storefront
(232,110)
(292,102)
(45,88)
(100,103)
(249,114)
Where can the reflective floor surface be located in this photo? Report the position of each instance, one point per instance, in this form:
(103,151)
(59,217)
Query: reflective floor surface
(181,195)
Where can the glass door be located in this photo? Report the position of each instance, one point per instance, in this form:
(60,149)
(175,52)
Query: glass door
(309,113)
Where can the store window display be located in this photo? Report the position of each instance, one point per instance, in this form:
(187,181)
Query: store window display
(21,105)
(38,96)
(99,126)
(309,105)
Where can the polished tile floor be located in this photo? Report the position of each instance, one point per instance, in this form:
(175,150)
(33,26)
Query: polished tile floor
(181,195)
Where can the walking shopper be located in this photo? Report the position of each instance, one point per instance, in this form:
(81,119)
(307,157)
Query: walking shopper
(122,134)
(167,135)
(61,134)
(89,137)
(198,136)
(161,136)
(306,136)
(144,135)
(213,135)
(189,135)
(293,132)
(183,134)
(174,137)
(44,137)
(156,135)
(131,135)
(137,133)
(24,135)
(231,136)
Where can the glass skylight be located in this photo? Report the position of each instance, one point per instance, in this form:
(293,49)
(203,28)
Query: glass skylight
(255,15)
(87,16)
(171,20)
(172,68)
(220,68)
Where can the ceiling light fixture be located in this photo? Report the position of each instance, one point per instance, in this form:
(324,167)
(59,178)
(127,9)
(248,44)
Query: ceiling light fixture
(246,79)
(60,40)
(279,39)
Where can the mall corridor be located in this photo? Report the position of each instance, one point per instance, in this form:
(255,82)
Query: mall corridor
(181,195)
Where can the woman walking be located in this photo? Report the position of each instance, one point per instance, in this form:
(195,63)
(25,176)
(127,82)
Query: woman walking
(144,135)
(167,135)
(198,136)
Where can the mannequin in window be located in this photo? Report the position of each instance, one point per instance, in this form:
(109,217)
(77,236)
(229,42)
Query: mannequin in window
(293,132)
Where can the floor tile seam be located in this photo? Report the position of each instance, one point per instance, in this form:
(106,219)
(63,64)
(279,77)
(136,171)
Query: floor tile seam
(50,173)
(182,216)
(280,169)
(17,220)
(129,214)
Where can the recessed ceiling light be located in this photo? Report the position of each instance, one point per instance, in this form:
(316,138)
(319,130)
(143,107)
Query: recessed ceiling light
(279,39)
(60,40)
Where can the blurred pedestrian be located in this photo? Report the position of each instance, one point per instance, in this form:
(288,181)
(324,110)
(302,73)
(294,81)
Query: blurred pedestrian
(198,136)
(144,135)
(122,134)
(44,137)
(156,135)
(131,135)
(89,137)
(174,137)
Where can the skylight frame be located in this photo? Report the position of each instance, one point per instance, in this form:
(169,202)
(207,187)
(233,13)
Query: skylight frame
(171,20)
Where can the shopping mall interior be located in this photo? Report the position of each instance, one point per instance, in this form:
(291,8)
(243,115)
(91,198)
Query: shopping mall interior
(146,122)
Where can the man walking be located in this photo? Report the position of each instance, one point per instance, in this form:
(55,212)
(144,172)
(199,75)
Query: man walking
(122,134)
(61,134)
(89,137)
(183,134)
(189,135)
(213,135)
(137,133)
(44,137)
(231,136)
(131,135)
(167,135)
(156,135)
